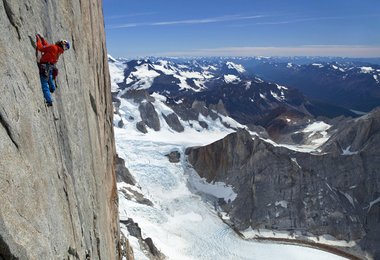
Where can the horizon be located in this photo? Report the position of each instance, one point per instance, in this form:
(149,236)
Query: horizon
(333,58)
(337,28)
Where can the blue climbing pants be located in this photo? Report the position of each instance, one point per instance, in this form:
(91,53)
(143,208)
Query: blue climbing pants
(47,82)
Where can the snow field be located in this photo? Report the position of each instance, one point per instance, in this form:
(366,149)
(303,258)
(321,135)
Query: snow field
(182,225)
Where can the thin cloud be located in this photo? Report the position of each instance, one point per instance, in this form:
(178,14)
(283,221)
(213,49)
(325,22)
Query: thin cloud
(219,19)
(304,50)
(315,19)
(127,25)
(299,20)
(210,20)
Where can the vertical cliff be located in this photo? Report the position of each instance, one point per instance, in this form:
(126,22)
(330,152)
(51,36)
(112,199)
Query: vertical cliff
(335,193)
(57,186)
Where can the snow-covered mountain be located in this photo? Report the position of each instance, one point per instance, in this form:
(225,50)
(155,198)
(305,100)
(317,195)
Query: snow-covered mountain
(334,193)
(165,75)
(163,107)
(207,86)
(333,85)
(350,84)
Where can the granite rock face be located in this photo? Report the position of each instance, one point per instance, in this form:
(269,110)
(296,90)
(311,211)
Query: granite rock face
(332,193)
(57,180)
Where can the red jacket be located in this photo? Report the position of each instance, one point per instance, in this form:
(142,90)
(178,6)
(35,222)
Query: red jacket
(50,52)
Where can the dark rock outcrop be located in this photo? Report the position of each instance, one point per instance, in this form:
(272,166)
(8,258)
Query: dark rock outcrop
(57,181)
(141,127)
(122,173)
(149,116)
(146,244)
(132,193)
(174,123)
(174,157)
(324,194)
(138,96)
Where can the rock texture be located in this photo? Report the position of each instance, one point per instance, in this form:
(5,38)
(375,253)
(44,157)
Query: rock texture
(174,156)
(146,244)
(149,116)
(57,181)
(335,193)
(122,173)
(173,122)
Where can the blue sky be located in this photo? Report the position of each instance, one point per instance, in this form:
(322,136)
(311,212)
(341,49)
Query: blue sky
(243,27)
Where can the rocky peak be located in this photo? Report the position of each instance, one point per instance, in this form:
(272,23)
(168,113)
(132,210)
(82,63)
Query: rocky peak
(303,194)
(356,135)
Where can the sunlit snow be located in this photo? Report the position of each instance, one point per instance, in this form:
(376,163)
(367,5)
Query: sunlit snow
(182,222)
(117,70)
(231,78)
(376,78)
(317,65)
(237,67)
(348,152)
(366,69)
(144,75)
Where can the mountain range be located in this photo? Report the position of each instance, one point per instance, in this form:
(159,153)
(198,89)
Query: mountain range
(305,169)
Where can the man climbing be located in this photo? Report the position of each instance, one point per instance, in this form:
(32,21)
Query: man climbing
(48,71)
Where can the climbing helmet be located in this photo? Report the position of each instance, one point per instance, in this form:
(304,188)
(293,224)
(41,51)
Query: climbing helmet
(65,44)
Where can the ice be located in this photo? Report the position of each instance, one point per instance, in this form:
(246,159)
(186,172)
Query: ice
(366,69)
(111,58)
(373,203)
(164,67)
(282,203)
(281,87)
(258,80)
(317,65)
(159,97)
(183,84)
(191,74)
(350,199)
(180,223)
(248,85)
(376,78)
(216,189)
(231,78)
(317,127)
(237,67)
(117,71)
(347,151)
(144,75)
(279,98)
(295,161)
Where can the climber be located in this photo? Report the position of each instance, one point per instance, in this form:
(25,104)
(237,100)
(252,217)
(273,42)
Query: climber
(46,65)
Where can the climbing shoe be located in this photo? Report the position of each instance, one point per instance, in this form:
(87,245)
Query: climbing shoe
(49,104)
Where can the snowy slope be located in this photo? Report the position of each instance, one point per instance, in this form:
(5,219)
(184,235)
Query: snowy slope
(263,94)
(143,75)
(180,223)
(116,71)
